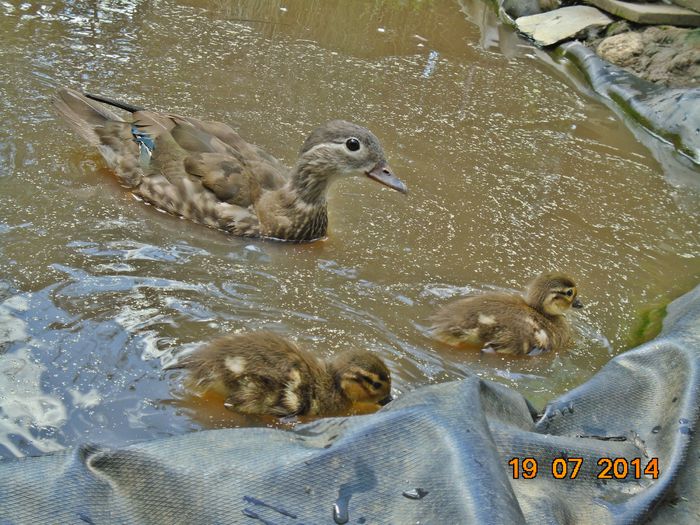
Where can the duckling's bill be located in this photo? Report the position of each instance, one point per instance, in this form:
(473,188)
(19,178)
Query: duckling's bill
(383,173)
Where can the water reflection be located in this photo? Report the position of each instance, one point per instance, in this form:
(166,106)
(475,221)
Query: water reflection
(30,418)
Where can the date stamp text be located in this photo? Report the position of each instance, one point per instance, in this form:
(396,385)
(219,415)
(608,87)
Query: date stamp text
(570,467)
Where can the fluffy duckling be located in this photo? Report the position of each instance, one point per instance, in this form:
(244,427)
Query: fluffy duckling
(206,172)
(512,324)
(261,373)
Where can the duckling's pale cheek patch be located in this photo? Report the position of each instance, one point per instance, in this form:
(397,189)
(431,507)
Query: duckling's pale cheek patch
(472,335)
(235,364)
(291,398)
(271,399)
(294,378)
(487,320)
(315,407)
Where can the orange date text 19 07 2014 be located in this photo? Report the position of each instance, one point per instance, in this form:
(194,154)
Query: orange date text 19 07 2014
(569,468)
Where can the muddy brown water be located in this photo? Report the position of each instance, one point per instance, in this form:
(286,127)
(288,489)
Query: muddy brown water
(511,169)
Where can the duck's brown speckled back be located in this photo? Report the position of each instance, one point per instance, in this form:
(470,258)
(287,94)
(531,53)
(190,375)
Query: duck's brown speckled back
(206,172)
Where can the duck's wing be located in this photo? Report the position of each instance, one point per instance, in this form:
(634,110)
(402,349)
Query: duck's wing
(210,153)
(201,170)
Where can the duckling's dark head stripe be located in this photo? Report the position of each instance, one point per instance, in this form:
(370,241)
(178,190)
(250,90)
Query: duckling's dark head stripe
(554,280)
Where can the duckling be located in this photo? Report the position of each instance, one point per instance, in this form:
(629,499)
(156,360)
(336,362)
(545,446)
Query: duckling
(206,172)
(261,373)
(512,324)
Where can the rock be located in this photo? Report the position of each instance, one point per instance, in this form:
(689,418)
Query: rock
(690,4)
(621,50)
(561,24)
(664,55)
(517,8)
(620,26)
(649,13)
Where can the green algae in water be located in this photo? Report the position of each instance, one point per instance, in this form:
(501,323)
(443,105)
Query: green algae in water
(649,324)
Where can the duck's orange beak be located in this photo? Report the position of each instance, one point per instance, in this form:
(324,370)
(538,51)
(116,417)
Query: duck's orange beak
(382,173)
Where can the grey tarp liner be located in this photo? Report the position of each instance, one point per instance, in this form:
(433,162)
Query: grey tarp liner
(673,114)
(452,440)
(669,113)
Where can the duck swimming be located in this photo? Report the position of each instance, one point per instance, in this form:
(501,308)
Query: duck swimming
(511,324)
(206,172)
(261,373)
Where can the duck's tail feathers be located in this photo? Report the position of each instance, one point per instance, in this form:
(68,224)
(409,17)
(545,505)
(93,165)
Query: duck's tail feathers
(83,114)
(116,103)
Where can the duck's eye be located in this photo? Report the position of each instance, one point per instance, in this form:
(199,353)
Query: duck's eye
(376,385)
(352,144)
(569,293)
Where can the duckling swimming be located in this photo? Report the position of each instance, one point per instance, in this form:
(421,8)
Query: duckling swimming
(206,172)
(512,324)
(262,373)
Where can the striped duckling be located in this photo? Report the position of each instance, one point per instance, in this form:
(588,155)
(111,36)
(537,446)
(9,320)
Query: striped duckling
(511,324)
(204,171)
(261,373)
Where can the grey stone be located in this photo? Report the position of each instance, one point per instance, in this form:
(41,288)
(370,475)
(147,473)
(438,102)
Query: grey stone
(561,24)
(517,8)
(650,13)
(690,4)
(621,49)
(665,55)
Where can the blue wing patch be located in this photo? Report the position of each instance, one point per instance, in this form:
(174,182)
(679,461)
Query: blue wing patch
(146,145)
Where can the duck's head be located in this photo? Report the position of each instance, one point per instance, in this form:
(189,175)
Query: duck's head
(363,377)
(553,294)
(340,149)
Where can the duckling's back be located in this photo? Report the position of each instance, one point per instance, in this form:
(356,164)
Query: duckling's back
(259,373)
(499,322)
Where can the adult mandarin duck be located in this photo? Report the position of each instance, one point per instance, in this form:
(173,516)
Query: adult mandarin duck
(206,172)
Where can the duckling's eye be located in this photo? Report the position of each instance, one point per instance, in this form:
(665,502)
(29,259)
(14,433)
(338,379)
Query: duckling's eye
(376,385)
(352,144)
(569,293)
